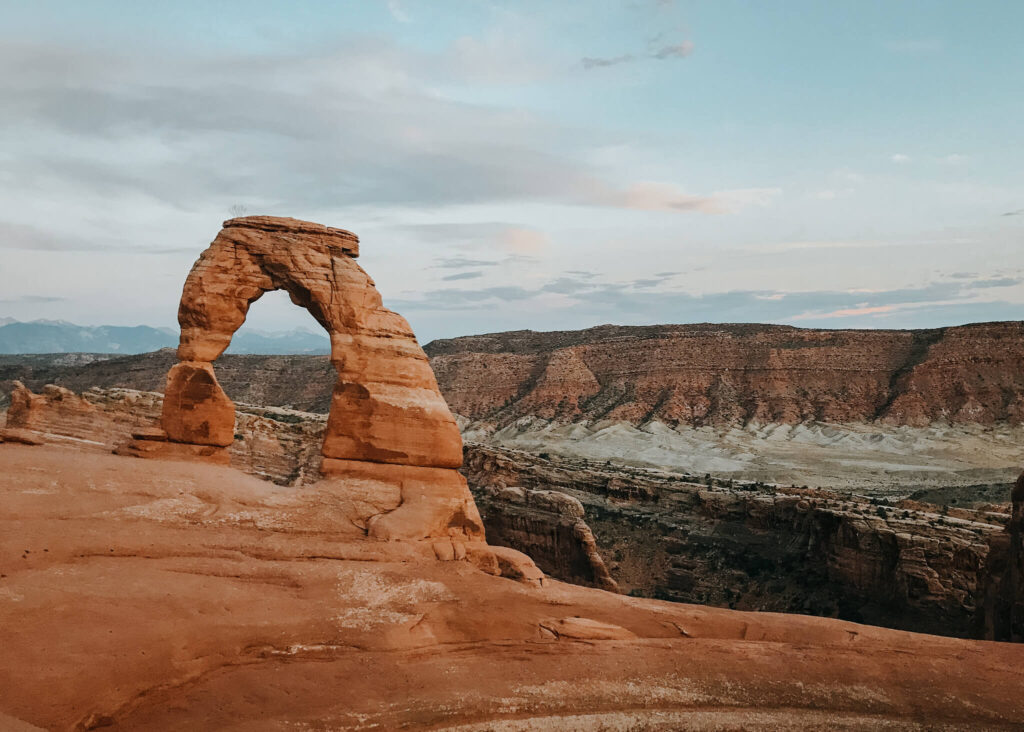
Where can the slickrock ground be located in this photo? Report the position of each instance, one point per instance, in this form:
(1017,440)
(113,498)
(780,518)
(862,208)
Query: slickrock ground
(144,594)
(903,564)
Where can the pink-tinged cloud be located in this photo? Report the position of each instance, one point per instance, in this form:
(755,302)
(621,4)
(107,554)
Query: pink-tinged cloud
(651,196)
(523,241)
(848,312)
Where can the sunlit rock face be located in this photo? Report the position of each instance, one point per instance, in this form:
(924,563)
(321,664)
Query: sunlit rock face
(385,408)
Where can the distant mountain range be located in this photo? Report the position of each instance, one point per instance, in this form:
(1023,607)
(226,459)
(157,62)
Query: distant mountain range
(59,336)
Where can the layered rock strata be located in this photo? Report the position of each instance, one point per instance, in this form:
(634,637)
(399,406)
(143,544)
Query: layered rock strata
(758,547)
(676,374)
(736,374)
(550,527)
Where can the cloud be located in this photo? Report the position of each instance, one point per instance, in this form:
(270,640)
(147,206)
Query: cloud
(20,236)
(463,276)
(955,159)
(358,124)
(678,50)
(651,196)
(847,312)
(900,158)
(597,63)
(668,52)
(997,282)
(523,241)
(642,300)
(492,236)
(463,263)
(32,299)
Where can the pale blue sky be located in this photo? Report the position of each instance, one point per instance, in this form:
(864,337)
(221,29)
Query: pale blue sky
(525,165)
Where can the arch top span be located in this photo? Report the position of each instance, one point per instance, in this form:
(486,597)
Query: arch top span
(385,407)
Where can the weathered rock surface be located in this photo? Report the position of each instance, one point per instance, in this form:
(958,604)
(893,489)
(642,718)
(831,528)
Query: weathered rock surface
(195,409)
(385,405)
(756,547)
(388,426)
(759,547)
(550,527)
(735,374)
(283,446)
(157,595)
(1001,593)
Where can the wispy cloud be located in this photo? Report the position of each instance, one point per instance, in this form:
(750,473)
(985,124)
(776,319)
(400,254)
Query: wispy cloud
(463,276)
(647,300)
(658,51)
(464,263)
(676,50)
(652,196)
(590,62)
(32,299)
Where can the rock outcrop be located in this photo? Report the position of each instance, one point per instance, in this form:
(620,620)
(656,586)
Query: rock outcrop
(901,564)
(388,424)
(385,406)
(550,527)
(736,374)
(282,446)
(160,595)
(1001,593)
(759,547)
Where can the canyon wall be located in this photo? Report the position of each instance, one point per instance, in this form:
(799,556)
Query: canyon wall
(548,526)
(734,374)
(750,546)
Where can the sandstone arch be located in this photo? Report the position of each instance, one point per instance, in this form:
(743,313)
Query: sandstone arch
(391,444)
(386,407)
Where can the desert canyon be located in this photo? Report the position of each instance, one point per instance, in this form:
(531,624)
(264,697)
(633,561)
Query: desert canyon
(192,541)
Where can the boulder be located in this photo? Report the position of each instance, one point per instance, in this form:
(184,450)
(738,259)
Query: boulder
(196,410)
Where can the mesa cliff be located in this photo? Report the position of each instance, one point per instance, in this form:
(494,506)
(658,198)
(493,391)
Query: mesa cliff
(735,374)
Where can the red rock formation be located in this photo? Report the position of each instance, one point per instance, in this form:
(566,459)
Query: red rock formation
(391,445)
(154,595)
(732,374)
(548,526)
(386,407)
